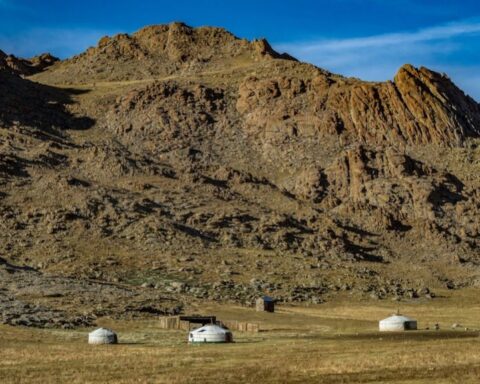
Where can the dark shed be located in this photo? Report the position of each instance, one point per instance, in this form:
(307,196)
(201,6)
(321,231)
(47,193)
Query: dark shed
(265,304)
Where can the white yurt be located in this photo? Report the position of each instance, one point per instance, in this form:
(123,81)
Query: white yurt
(397,322)
(102,336)
(210,333)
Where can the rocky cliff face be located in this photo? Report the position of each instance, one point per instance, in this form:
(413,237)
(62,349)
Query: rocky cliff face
(419,106)
(191,162)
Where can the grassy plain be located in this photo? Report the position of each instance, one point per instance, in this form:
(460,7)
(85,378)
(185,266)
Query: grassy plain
(335,342)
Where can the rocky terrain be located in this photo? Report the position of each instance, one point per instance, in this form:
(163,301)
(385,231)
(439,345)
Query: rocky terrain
(31,299)
(180,164)
(26,67)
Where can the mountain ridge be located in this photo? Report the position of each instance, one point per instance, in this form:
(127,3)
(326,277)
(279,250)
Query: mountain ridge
(190,162)
(163,49)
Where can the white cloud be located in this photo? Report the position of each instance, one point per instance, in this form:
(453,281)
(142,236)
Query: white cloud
(386,40)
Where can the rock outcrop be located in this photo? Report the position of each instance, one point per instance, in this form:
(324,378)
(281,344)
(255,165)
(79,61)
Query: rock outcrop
(419,106)
(26,67)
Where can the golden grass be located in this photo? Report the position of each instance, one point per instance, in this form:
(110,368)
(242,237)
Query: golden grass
(332,343)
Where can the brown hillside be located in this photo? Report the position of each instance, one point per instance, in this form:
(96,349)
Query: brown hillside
(208,167)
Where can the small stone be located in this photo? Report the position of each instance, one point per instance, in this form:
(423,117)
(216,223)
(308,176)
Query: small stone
(374,296)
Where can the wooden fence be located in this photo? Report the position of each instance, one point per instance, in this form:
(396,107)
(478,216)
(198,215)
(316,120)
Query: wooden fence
(174,322)
(241,326)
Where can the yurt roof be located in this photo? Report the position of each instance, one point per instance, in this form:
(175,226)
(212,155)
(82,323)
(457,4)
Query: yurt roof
(210,328)
(397,319)
(102,332)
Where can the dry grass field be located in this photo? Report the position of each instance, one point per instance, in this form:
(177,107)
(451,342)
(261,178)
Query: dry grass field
(330,343)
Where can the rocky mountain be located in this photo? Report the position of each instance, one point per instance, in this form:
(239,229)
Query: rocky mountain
(161,50)
(186,164)
(26,67)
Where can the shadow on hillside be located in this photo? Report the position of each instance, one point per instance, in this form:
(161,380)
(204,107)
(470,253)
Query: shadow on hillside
(12,165)
(15,268)
(358,231)
(194,232)
(449,192)
(43,108)
(363,253)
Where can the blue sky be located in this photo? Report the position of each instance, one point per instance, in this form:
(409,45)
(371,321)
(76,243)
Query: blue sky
(369,39)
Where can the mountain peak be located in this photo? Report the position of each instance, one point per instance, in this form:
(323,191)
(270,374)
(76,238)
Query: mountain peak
(161,50)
